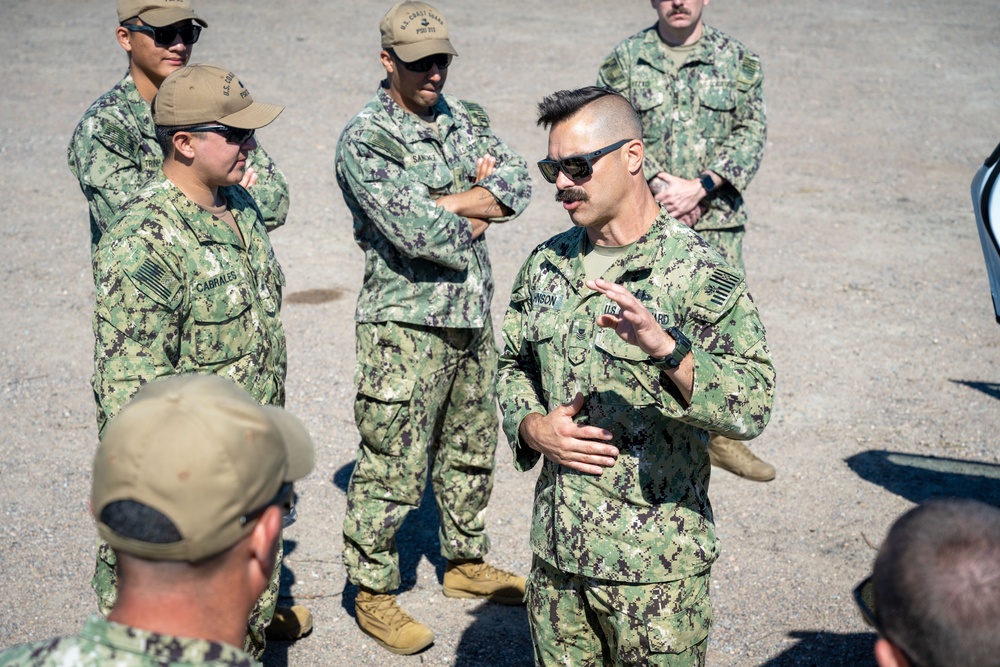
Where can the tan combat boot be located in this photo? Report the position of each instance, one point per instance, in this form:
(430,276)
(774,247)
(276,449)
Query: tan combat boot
(380,617)
(733,455)
(290,623)
(476,579)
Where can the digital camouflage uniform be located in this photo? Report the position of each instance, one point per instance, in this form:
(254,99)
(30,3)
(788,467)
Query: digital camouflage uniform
(426,357)
(708,115)
(102,643)
(177,292)
(646,520)
(114,152)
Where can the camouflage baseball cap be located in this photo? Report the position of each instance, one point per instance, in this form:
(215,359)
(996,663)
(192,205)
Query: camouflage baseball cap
(200,451)
(158,13)
(415,30)
(209,94)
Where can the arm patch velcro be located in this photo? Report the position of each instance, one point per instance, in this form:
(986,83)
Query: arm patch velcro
(477,114)
(155,282)
(613,74)
(749,73)
(116,136)
(717,293)
(386,147)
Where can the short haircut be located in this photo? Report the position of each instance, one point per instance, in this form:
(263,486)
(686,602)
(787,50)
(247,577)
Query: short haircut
(937,583)
(137,521)
(618,119)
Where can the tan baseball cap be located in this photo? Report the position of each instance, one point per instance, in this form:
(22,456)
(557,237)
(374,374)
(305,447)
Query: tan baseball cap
(201,452)
(415,30)
(158,13)
(209,94)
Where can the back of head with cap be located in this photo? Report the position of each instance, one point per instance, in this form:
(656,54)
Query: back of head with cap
(415,30)
(209,94)
(198,453)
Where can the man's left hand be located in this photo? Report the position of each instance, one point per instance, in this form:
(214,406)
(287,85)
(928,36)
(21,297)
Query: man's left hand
(680,196)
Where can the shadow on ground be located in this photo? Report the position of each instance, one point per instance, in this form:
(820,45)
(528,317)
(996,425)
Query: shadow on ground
(826,649)
(920,478)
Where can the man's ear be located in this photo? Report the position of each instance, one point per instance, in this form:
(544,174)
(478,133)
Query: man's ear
(635,152)
(183,143)
(887,655)
(124,37)
(387,62)
(263,544)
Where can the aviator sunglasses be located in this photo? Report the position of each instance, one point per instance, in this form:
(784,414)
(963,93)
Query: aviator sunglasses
(234,135)
(167,35)
(575,166)
(864,597)
(442,60)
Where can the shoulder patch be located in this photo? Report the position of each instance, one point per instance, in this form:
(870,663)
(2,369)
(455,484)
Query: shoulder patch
(612,74)
(719,290)
(157,283)
(477,114)
(116,136)
(749,72)
(386,146)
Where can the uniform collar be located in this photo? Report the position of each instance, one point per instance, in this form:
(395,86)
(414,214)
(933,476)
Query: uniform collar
(653,52)
(206,227)
(411,130)
(138,107)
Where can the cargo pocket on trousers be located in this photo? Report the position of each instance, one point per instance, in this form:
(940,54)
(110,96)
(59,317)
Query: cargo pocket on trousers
(380,409)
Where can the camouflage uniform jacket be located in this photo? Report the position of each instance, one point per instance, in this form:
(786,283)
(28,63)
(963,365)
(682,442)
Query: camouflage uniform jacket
(177,292)
(102,643)
(114,152)
(648,518)
(422,265)
(709,115)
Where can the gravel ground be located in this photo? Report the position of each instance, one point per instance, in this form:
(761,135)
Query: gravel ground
(862,256)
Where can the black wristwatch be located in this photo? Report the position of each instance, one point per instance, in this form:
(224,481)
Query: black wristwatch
(707,183)
(680,350)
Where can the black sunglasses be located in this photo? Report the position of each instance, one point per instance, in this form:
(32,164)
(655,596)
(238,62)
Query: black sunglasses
(285,499)
(575,166)
(234,135)
(442,60)
(167,35)
(864,597)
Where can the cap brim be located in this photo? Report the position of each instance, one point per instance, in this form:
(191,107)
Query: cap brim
(164,16)
(299,450)
(410,52)
(252,117)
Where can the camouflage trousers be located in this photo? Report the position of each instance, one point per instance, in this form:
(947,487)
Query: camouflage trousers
(105,584)
(426,397)
(728,243)
(586,622)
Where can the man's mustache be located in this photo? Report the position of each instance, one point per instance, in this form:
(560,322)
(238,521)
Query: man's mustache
(572,194)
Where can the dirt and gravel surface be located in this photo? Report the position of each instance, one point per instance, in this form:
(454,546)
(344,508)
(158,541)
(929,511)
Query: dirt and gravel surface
(862,255)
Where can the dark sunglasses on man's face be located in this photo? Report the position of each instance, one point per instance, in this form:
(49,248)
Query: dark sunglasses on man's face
(442,60)
(234,135)
(575,166)
(864,597)
(168,35)
(285,499)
